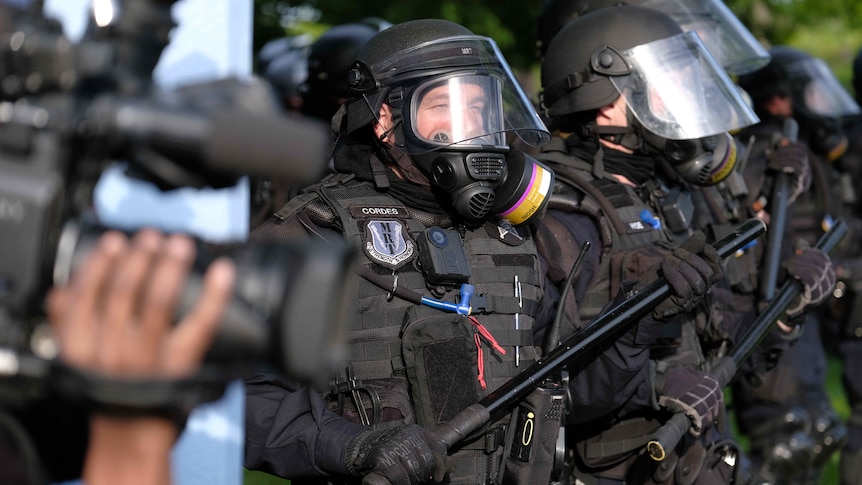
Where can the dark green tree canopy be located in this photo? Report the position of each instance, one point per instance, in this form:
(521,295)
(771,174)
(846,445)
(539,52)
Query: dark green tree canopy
(825,28)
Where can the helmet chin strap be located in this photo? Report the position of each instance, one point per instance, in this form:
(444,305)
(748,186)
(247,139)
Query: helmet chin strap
(625,136)
(382,138)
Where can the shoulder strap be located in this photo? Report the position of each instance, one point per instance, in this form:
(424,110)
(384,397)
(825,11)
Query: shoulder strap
(571,177)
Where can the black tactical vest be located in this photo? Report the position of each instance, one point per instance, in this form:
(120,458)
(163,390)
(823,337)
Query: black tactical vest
(414,363)
(718,213)
(624,218)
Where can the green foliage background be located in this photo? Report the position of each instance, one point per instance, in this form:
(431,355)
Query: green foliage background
(829,29)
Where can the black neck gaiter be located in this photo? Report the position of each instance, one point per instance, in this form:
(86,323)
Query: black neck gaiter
(354,158)
(637,168)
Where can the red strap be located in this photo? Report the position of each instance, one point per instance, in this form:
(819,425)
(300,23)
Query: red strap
(482,332)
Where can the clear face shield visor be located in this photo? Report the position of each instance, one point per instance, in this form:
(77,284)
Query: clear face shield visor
(463,111)
(728,40)
(677,90)
(470,98)
(822,94)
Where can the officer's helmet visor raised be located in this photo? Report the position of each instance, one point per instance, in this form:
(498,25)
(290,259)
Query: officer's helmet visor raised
(677,90)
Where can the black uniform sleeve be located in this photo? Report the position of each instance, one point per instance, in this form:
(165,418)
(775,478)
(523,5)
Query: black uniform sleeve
(290,431)
(615,379)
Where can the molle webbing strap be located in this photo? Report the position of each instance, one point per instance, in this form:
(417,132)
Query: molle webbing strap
(374,340)
(555,152)
(572,177)
(379,172)
(622,437)
(378,318)
(620,205)
(508,305)
(295,205)
(494,266)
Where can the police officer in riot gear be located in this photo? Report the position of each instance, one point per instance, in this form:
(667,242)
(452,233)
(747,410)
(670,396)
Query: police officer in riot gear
(786,412)
(847,304)
(636,110)
(732,45)
(310,78)
(439,207)
(330,58)
(284,63)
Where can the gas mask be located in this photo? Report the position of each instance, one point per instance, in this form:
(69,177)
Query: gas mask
(454,128)
(824,135)
(512,186)
(702,161)
(454,101)
(819,104)
(682,105)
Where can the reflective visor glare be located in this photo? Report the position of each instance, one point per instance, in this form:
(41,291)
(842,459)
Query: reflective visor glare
(459,110)
(728,40)
(678,91)
(822,93)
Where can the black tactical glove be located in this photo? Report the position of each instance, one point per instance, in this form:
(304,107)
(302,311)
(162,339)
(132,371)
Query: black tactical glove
(403,454)
(813,268)
(791,157)
(695,393)
(690,270)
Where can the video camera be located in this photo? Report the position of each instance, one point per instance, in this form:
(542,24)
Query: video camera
(68,110)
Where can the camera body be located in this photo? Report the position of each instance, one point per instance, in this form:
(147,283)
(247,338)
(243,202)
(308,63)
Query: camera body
(69,110)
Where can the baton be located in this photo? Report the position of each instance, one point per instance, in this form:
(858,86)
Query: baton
(621,317)
(670,433)
(778,217)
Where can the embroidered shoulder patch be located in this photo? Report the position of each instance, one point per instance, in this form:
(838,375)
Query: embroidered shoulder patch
(387,242)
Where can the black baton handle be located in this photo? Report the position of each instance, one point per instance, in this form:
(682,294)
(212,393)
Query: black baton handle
(669,434)
(777,221)
(621,317)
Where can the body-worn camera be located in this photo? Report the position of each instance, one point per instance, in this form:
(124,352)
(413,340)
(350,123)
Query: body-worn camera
(442,257)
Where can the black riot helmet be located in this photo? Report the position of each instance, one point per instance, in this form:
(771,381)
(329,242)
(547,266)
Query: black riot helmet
(681,104)
(284,63)
(453,99)
(818,99)
(727,39)
(330,58)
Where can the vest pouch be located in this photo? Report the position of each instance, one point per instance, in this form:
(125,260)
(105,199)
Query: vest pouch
(532,439)
(441,363)
(740,270)
(779,386)
(612,452)
(393,401)
(721,465)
